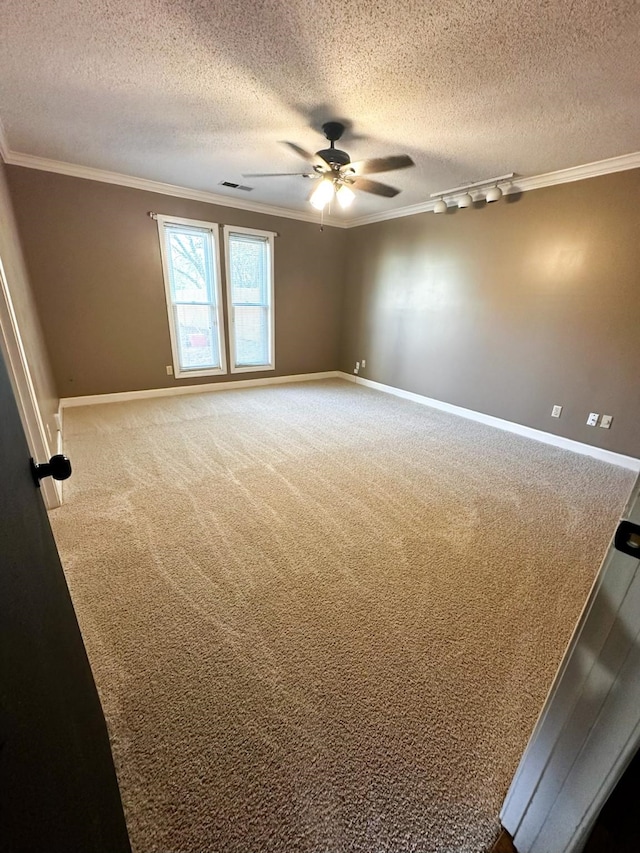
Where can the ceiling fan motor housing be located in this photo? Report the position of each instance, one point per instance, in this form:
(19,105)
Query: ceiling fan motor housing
(333,130)
(334,156)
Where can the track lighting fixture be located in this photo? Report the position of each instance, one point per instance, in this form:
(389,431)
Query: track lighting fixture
(462,196)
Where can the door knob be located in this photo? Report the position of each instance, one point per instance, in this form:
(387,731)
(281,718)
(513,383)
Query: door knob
(58,467)
(627,539)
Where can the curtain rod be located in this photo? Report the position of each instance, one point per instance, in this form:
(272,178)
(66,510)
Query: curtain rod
(153,215)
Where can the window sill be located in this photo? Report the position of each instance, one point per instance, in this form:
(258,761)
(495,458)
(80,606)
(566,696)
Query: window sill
(187,374)
(254,368)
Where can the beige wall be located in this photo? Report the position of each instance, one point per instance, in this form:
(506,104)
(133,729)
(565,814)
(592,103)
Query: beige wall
(94,259)
(26,313)
(509,308)
(504,309)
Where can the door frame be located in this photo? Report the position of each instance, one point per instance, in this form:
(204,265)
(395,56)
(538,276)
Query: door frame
(589,727)
(24,391)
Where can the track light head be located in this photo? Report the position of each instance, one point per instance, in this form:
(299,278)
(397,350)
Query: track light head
(466,200)
(440,206)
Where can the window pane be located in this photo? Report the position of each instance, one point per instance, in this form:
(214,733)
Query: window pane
(197,337)
(248,263)
(189,262)
(249,273)
(251,326)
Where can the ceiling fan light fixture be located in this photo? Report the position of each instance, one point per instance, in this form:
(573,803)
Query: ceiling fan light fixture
(440,206)
(337,175)
(322,194)
(493,194)
(345,196)
(465,200)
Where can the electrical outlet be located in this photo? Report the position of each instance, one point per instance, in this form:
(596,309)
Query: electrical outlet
(556,411)
(592,420)
(364,363)
(605,423)
(357,365)
(169,370)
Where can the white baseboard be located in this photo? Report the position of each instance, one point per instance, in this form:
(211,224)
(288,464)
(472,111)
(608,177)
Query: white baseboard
(203,388)
(629,462)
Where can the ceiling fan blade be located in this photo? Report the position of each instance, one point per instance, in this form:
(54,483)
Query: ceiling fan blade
(277,174)
(379,164)
(374,187)
(308,156)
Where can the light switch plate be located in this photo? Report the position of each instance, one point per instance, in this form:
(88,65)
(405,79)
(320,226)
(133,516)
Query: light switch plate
(605,423)
(556,411)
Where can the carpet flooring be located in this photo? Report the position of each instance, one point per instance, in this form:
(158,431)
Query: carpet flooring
(322,619)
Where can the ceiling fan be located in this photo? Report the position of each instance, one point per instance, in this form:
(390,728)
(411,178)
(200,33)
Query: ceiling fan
(337,175)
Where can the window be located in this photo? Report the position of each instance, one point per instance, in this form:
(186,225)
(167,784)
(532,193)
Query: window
(249,269)
(193,286)
(191,269)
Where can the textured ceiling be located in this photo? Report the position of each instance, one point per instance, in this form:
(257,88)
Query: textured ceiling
(192,92)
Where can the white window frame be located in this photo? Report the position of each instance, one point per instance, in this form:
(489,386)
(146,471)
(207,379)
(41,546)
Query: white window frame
(213,228)
(269,235)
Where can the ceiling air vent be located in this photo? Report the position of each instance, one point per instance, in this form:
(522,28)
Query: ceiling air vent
(234,186)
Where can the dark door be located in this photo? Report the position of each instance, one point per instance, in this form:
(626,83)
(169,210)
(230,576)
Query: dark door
(617,829)
(58,789)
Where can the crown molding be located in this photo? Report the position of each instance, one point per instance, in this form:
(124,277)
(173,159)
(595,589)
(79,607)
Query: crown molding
(398,213)
(516,185)
(30,161)
(578,173)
